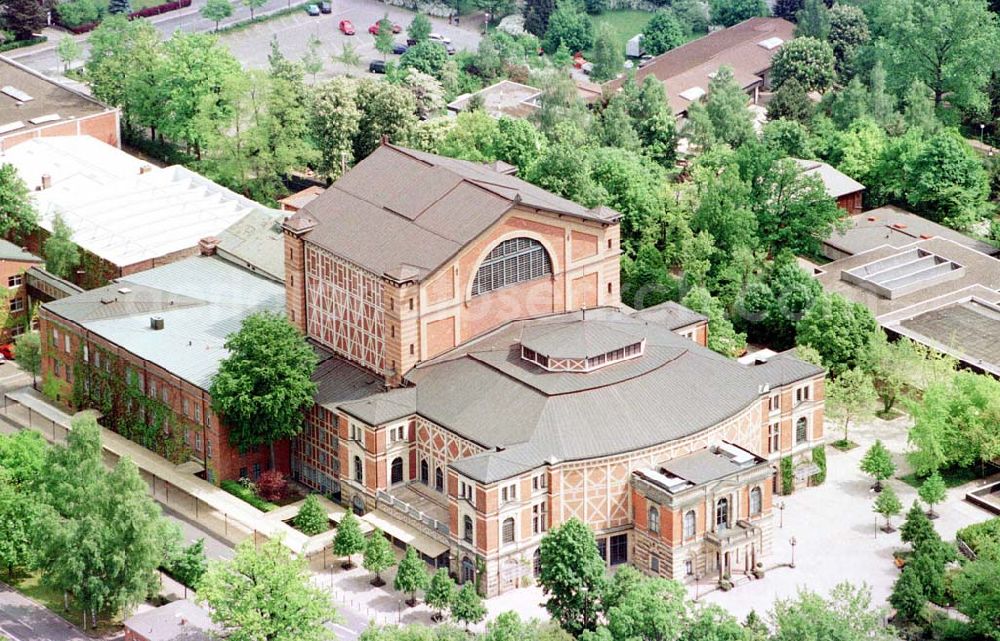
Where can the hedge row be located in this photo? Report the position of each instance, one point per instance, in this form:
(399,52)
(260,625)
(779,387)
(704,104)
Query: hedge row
(981,537)
(240,492)
(166,7)
(17,44)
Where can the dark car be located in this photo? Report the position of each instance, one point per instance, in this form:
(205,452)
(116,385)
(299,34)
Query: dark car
(450,48)
(312,10)
(399,49)
(376,66)
(325,7)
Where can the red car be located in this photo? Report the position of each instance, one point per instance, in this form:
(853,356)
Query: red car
(7,351)
(374,28)
(347,28)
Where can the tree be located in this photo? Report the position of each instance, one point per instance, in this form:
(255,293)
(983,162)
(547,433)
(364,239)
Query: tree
(813,20)
(838,329)
(61,253)
(977,595)
(22,524)
(537,14)
(123,69)
(932,491)
(787,9)
(384,40)
(724,113)
(495,9)
(272,485)
(572,576)
(386,109)
(24,18)
(190,565)
(336,117)
(877,463)
(662,33)
(378,557)
(729,12)
(312,519)
(887,362)
(119,6)
(948,182)
(264,385)
(808,60)
(349,540)
(243,593)
(849,397)
(467,606)
(791,102)
(440,593)
(948,46)
(69,51)
(411,575)
(917,529)
(887,504)
(650,609)
(312,62)
(908,595)
(568,26)
(253,5)
(607,55)
(28,354)
(848,33)
(19,218)
(217,11)
(846,614)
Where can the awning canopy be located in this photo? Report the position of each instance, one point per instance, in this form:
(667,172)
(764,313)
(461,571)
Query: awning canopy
(405,533)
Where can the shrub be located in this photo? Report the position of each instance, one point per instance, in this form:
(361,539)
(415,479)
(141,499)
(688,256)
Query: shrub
(787,475)
(237,490)
(819,458)
(312,519)
(78,12)
(983,538)
(272,486)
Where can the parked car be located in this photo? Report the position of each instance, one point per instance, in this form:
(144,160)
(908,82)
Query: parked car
(374,28)
(399,49)
(439,38)
(312,9)
(347,28)
(7,351)
(325,7)
(450,48)
(376,66)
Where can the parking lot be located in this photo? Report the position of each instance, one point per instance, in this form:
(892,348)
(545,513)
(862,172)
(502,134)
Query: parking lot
(251,46)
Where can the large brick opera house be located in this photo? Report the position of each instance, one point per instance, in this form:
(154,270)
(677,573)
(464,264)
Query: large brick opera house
(480,381)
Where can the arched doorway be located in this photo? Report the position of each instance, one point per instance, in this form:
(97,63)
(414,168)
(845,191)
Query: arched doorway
(358,504)
(468,570)
(397,471)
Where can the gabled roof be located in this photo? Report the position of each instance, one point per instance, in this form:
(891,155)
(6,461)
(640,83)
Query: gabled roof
(837,183)
(891,225)
(670,314)
(426,208)
(10,251)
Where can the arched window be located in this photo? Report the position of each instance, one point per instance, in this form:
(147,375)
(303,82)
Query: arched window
(801,430)
(755,501)
(397,471)
(359,470)
(654,520)
(507,531)
(537,562)
(468,570)
(722,514)
(512,261)
(438,480)
(467,529)
(423,472)
(690,522)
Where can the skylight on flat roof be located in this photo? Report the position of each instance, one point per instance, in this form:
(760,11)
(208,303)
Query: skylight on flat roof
(15,93)
(43,119)
(771,43)
(903,273)
(11,126)
(692,94)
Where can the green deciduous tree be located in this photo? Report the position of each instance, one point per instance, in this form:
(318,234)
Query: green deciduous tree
(123,68)
(189,565)
(813,20)
(848,33)
(335,118)
(838,329)
(23,458)
(384,40)
(948,182)
(932,491)
(791,102)
(850,397)
(977,595)
(253,5)
(244,595)
(378,557)
(217,11)
(887,504)
(888,363)
(264,385)
(662,33)
(312,519)
(420,27)
(847,614)
(19,218)
(877,463)
(809,60)
(312,62)
(570,26)
(28,354)
(572,576)
(69,51)
(726,107)
(607,56)
(467,606)
(729,12)
(411,575)
(385,110)
(722,338)
(22,521)
(61,253)
(440,593)
(349,540)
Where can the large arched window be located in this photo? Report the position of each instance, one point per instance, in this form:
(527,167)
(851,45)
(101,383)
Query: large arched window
(690,522)
(423,472)
(654,520)
(438,480)
(359,470)
(507,531)
(801,430)
(755,502)
(512,261)
(467,529)
(722,514)
(397,471)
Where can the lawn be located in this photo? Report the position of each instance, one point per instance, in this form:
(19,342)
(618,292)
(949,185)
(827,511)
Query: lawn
(952,477)
(626,23)
(31,587)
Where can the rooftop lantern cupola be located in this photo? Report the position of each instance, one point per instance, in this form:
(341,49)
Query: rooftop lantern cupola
(580,345)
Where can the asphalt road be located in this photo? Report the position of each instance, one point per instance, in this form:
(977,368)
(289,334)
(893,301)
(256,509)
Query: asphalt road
(251,45)
(21,619)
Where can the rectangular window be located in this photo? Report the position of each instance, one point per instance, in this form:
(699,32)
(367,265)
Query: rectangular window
(55,367)
(164,394)
(86,354)
(773,437)
(152,386)
(208,448)
(197,412)
(619,549)
(539,518)
(185,407)
(15,280)
(774,403)
(55,337)
(16,305)
(654,564)
(602,549)
(66,342)
(256,471)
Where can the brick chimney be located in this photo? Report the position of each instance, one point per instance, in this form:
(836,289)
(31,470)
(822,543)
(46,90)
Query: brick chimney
(46,181)
(207,245)
(145,169)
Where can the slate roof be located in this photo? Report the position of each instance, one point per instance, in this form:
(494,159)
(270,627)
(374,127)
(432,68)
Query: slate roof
(837,183)
(425,207)
(893,226)
(707,465)
(10,251)
(255,241)
(178,621)
(669,314)
(524,415)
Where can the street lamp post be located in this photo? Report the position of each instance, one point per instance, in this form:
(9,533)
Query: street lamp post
(697,585)
(781,515)
(793,543)
(982,127)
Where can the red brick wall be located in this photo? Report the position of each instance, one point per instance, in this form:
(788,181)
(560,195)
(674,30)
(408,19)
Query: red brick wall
(103,126)
(9,269)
